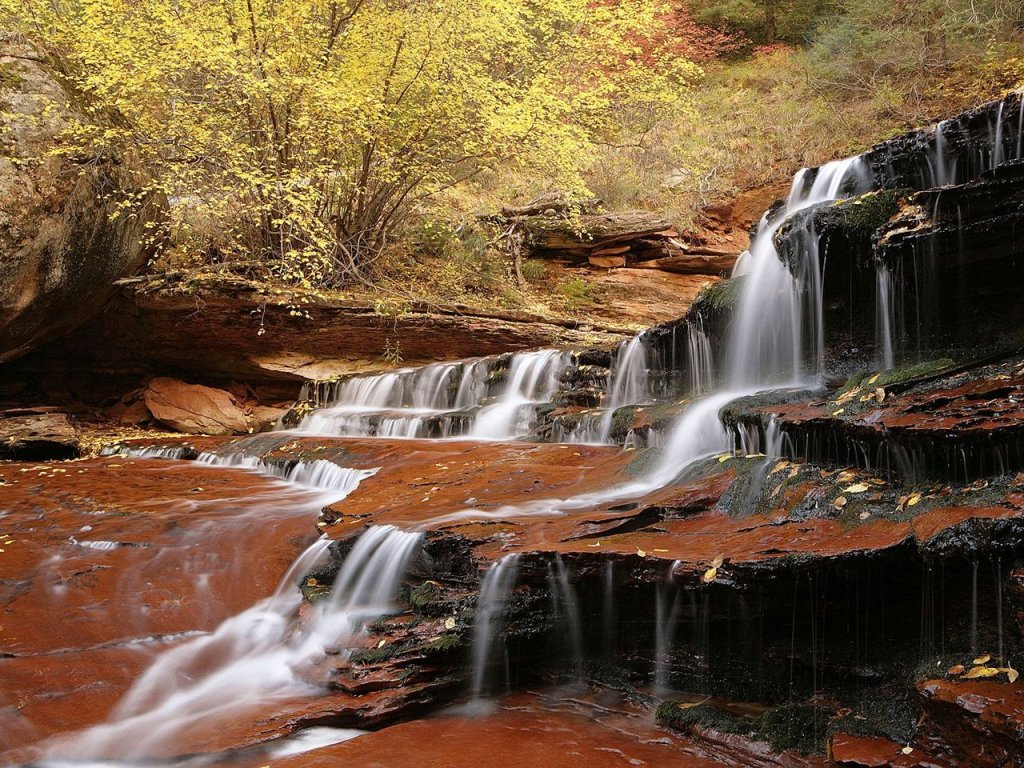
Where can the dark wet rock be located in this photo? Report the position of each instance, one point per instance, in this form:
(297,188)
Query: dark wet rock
(973,723)
(62,244)
(38,437)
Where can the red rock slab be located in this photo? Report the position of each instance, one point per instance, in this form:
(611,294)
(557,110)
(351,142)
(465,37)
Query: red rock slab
(196,544)
(42,696)
(525,732)
(977,722)
(422,480)
(878,752)
(189,537)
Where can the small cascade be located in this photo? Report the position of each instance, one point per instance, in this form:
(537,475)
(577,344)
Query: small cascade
(565,608)
(701,361)
(255,656)
(446,400)
(532,380)
(628,384)
(608,610)
(773,339)
(320,475)
(885,317)
(166,452)
(666,617)
(495,591)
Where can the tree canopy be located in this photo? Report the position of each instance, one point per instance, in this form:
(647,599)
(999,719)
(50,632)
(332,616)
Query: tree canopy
(305,132)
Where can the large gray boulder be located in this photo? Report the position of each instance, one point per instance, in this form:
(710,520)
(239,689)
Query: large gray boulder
(60,250)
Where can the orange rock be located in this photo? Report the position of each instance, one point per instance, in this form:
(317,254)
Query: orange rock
(194,409)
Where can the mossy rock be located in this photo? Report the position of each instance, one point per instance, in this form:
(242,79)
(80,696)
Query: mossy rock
(684,716)
(717,298)
(386,652)
(445,643)
(801,727)
(428,599)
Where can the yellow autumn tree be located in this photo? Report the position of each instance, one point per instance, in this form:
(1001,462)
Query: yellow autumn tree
(305,132)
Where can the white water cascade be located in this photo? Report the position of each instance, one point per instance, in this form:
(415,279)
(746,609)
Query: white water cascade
(495,590)
(628,384)
(446,400)
(257,656)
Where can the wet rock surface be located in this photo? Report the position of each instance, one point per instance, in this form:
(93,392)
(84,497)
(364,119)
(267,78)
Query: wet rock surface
(28,435)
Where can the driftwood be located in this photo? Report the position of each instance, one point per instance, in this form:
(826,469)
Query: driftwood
(554,227)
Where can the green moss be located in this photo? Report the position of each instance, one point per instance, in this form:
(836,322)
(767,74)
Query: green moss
(428,599)
(384,653)
(444,643)
(719,297)
(795,726)
(9,77)
(899,375)
(682,717)
(860,217)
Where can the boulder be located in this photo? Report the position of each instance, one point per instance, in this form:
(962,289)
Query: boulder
(38,437)
(194,409)
(61,246)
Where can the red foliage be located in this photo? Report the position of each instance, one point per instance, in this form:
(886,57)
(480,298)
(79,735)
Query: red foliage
(683,36)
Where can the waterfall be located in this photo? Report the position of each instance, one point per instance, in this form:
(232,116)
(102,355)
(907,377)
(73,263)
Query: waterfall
(885,317)
(628,384)
(701,362)
(566,610)
(768,340)
(532,380)
(255,656)
(490,611)
(320,475)
(666,616)
(445,400)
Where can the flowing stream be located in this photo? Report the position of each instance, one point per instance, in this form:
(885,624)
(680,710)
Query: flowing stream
(266,653)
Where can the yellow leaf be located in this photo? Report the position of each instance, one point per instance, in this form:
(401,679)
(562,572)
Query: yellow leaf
(641,553)
(982,660)
(382,643)
(1012,674)
(661,550)
(874,378)
(880,394)
(840,502)
(913,499)
(598,544)
(907,750)
(978,672)
(717,562)
(839,412)
(449,623)
(855,488)
(709,575)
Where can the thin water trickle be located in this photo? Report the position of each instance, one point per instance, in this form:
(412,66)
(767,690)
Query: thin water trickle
(495,591)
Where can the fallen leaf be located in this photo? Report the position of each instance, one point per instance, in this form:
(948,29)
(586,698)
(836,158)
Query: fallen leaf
(977,672)
(874,378)
(913,499)
(717,562)
(855,488)
(880,394)
(641,553)
(598,544)
(840,502)
(907,750)
(661,550)
(957,670)
(1012,674)
(864,515)
(982,660)
(382,643)
(839,412)
(709,575)
(449,623)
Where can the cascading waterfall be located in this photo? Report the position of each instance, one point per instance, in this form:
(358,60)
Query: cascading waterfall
(495,590)
(885,316)
(628,384)
(532,380)
(767,345)
(666,616)
(701,359)
(445,400)
(566,610)
(255,656)
(321,475)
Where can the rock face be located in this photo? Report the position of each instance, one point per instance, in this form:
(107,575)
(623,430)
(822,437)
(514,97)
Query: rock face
(194,409)
(28,436)
(60,250)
